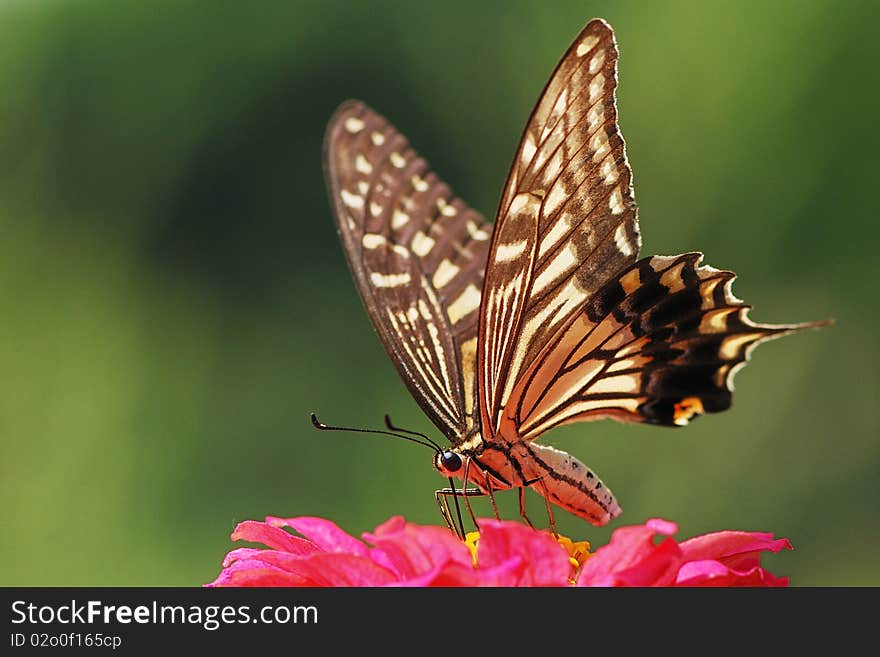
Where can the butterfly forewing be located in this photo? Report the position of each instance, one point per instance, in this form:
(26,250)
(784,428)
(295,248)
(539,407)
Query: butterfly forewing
(567,219)
(417,254)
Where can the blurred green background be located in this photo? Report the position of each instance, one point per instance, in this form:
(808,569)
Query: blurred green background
(175,300)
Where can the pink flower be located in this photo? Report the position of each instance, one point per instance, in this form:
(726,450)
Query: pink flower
(398,554)
(726,558)
(504,553)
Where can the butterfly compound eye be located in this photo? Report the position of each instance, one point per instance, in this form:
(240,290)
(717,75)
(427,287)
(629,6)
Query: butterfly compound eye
(450,461)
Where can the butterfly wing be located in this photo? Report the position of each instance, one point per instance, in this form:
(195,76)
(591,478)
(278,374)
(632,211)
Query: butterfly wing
(417,255)
(571,326)
(567,220)
(659,343)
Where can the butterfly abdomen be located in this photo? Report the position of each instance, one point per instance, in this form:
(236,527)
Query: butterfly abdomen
(557,475)
(568,483)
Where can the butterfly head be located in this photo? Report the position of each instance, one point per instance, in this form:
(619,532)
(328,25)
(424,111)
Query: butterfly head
(451,462)
(448,463)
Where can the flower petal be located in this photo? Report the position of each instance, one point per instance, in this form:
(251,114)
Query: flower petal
(254,572)
(273,537)
(455,574)
(337,569)
(709,572)
(664,527)
(325,534)
(632,558)
(737,549)
(502,541)
(413,550)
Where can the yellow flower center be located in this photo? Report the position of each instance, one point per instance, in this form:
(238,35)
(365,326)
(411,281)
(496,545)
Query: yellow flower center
(471,539)
(578,551)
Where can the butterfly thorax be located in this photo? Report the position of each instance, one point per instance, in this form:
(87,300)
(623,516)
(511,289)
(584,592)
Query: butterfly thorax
(464,461)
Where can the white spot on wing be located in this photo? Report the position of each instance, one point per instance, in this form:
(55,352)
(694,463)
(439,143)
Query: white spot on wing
(419,184)
(608,171)
(378,138)
(596,87)
(554,199)
(399,219)
(529,149)
(521,200)
(389,280)
(595,118)
(425,310)
(361,164)
(597,61)
(446,271)
(624,383)
(352,200)
(598,139)
(397,160)
(374,241)
(476,232)
(599,144)
(466,303)
(559,107)
(421,244)
(353,124)
(587,45)
(563,263)
(445,208)
(625,364)
(556,233)
(511,251)
(622,242)
(615,202)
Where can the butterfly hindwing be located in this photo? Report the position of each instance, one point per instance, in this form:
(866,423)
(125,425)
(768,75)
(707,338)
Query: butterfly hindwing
(659,343)
(417,254)
(567,220)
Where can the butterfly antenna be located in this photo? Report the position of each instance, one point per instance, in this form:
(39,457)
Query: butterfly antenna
(459,529)
(326,427)
(390,425)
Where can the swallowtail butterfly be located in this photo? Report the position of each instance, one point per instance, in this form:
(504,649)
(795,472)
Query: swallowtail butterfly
(549,318)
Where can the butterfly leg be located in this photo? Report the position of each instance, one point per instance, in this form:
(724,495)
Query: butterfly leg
(491,495)
(550,517)
(444,511)
(522,506)
(442,497)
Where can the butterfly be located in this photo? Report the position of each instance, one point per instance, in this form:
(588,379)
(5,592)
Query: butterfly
(502,332)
